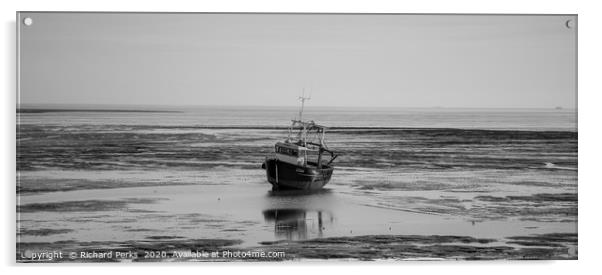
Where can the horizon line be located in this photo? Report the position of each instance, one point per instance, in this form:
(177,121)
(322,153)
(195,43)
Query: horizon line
(33,105)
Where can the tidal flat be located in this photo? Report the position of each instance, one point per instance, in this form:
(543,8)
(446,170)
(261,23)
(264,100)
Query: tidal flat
(396,194)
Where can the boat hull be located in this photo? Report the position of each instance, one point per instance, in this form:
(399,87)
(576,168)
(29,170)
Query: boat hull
(284,175)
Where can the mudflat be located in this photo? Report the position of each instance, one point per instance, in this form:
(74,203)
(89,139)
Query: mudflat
(395,194)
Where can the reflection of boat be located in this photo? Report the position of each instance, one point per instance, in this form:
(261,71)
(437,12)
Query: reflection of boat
(297,162)
(295,224)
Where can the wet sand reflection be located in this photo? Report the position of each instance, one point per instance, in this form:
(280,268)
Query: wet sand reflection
(298,224)
(299,214)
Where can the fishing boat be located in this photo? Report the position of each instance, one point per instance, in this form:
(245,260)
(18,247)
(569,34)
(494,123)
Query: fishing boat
(300,162)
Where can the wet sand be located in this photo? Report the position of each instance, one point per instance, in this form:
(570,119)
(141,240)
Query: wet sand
(346,219)
(395,194)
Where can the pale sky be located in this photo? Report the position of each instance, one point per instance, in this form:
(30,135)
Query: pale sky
(478,61)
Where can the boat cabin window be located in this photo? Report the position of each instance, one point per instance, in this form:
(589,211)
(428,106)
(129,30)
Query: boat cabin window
(287,151)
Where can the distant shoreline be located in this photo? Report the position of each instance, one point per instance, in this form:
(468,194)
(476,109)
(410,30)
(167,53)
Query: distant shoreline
(37,111)
(312,106)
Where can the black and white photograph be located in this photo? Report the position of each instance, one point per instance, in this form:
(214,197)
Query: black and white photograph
(158,137)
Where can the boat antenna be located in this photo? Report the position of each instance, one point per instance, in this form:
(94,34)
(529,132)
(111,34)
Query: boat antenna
(302,98)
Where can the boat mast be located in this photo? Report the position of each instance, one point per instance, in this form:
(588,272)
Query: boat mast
(303,133)
(302,98)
